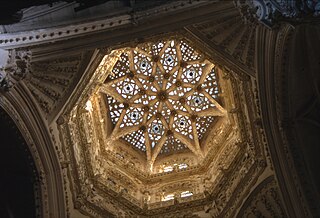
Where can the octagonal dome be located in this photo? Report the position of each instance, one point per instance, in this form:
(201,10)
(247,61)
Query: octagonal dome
(157,124)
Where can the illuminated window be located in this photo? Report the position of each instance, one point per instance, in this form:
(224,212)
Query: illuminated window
(162,97)
(186,194)
(168,197)
(168,169)
(183,166)
(89,106)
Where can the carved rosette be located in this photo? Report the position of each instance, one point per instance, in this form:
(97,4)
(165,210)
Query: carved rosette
(15,69)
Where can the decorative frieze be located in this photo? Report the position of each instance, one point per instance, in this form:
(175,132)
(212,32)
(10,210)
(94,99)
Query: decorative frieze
(40,36)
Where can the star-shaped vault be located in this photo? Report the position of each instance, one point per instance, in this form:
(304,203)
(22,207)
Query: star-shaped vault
(162,97)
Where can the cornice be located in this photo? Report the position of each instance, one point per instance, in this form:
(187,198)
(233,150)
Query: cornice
(43,36)
(154,25)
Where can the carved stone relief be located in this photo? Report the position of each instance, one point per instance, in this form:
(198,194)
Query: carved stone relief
(234,161)
(49,81)
(114,181)
(231,38)
(264,201)
(16,68)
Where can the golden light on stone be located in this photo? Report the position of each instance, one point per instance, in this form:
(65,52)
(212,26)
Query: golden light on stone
(158,132)
(159,88)
(89,106)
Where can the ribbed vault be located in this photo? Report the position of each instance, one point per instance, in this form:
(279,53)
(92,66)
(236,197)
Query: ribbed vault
(162,97)
(158,112)
(155,121)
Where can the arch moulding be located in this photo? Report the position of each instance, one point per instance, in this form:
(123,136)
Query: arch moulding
(25,113)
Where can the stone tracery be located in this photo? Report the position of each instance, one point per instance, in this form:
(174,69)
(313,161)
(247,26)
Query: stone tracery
(162,97)
(122,105)
(105,178)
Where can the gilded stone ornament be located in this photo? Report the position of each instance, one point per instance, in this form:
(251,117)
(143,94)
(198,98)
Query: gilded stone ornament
(132,135)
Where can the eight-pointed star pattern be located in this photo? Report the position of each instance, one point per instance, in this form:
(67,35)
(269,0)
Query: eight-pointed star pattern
(162,97)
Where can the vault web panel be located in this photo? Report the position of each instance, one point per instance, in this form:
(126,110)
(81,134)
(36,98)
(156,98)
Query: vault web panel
(172,145)
(202,124)
(115,109)
(136,139)
(211,84)
(121,67)
(188,53)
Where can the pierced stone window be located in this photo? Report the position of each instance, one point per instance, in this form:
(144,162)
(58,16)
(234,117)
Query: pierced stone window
(162,98)
(183,166)
(168,197)
(167,169)
(186,194)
